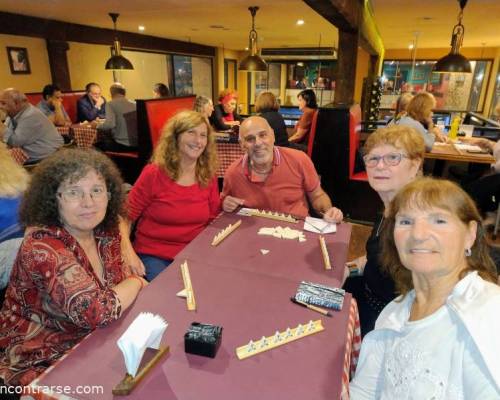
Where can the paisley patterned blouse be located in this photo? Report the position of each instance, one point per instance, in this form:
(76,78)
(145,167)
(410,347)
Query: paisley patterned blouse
(54,300)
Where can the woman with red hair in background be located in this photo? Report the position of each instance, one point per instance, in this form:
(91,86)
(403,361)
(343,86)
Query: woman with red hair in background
(225,115)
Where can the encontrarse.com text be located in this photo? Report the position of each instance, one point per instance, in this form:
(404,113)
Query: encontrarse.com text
(56,389)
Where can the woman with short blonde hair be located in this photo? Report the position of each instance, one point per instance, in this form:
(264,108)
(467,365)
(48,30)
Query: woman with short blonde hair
(393,157)
(13,182)
(419,117)
(177,194)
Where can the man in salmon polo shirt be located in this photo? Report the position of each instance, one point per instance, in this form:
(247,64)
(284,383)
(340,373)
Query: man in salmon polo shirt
(273,178)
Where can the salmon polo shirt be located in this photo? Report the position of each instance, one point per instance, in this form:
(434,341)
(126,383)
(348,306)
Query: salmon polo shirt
(284,190)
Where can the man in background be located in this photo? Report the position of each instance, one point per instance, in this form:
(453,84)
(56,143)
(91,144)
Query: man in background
(91,106)
(52,106)
(123,135)
(27,127)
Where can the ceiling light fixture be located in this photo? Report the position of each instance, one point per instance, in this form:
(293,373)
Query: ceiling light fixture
(253,62)
(117,61)
(300,22)
(142,28)
(454,61)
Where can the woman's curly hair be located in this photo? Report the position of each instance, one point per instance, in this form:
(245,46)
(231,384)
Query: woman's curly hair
(40,205)
(166,153)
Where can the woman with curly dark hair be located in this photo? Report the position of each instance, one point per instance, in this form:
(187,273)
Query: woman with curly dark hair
(68,277)
(177,194)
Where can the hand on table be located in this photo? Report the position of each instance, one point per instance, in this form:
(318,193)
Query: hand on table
(231,203)
(333,215)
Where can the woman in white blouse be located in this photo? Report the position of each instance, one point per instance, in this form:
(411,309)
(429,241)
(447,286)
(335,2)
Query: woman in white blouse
(439,339)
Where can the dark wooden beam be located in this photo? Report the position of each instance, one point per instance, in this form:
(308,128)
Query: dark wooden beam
(16,24)
(58,61)
(346,64)
(344,14)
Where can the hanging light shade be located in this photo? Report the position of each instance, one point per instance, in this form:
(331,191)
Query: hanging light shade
(117,61)
(454,61)
(253,62)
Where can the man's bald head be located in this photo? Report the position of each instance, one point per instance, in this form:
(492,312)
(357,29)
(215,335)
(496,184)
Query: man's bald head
(12,101)
(254,122)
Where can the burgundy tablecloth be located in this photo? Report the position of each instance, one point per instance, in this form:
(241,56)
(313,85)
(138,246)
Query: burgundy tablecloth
(287,259)
(248,305)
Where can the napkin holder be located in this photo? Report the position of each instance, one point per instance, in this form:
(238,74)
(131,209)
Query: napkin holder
(129,382)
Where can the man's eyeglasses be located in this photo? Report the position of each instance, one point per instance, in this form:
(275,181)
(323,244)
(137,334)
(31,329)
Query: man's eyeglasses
(74,195)
(390,159)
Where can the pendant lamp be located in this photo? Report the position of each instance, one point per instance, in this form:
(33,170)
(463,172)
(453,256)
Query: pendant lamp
(117,61)
(454,61)
(253,62)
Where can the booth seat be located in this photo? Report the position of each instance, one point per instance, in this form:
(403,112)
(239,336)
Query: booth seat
(354,131)
(69,101)
(312,133)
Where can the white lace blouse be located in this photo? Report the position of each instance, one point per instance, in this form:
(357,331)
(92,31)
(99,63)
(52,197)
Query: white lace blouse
(435,358)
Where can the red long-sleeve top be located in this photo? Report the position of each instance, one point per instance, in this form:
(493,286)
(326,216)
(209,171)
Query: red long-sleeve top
(170,215)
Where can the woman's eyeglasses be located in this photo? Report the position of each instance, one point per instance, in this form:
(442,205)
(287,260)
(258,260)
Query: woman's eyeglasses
(390,159)
(74,195)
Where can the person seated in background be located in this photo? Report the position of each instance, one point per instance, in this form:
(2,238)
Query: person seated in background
(302,83)
(91,106)
(308,106)
(419,117)
(177,195)
(160,90)
(401,106)
(52,106)
(68,278)
(267,106)
(273,178)
(13,182)
(204,106)
(27,127)
(393,157)
(225,115)
(440,337)
(119,138)
(483,187)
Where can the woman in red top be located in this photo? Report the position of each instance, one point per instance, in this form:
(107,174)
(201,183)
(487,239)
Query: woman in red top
(68,277)
(176,195)
(308,106)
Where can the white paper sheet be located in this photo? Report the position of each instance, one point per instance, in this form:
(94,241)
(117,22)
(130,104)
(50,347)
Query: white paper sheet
(318,225)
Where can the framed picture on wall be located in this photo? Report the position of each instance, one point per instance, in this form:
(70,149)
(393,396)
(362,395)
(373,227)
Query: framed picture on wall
(18,60)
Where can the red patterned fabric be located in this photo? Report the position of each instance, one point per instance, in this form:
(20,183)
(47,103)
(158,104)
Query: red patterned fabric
(19,155)
(353,346)
(63,130)
(226,154)
(85,135)
(54,299)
